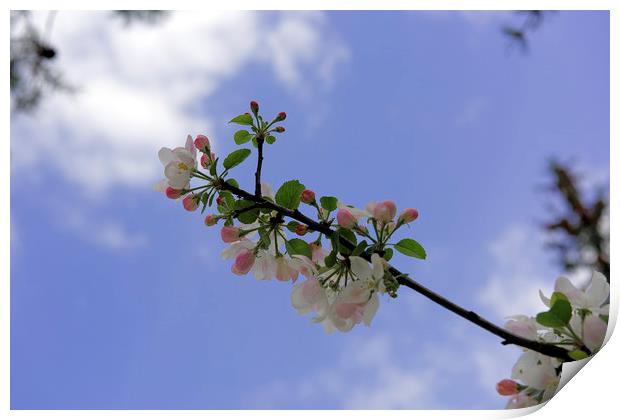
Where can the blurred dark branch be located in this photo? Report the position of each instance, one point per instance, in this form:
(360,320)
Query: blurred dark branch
(582,230)
(520,34)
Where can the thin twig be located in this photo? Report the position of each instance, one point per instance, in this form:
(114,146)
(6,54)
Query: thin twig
(259,166)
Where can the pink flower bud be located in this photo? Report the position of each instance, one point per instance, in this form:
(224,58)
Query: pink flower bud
(172,193)
(230,234)
(254,107)
(219,200)
(281,116)
(345,218)
(507,387)
(384,211)
(408,215)
(301,230)
(211,220)
(307,196)
(202,143)
(244,262)
(206,160)
(190,202)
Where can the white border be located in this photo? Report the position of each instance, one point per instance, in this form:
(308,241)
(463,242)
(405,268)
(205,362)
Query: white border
(593,393)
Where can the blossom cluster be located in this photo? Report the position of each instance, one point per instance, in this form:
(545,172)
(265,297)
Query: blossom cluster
(576,321)
(345,263)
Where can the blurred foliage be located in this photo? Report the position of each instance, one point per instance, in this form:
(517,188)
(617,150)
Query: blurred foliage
(33,60)
(150,17)
(580,231)
(519,35)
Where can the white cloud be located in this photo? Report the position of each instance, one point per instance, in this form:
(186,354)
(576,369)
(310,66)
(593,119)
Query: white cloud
(98,231)
(518,271)
(141,87)
(366,376)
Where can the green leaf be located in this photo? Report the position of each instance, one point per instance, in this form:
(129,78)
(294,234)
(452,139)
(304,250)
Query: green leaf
(578,354)
(213,167)
(289,194)
(360,248)
(558,316)
(330,260)
(243,119)
(349,236)
(292,226)
(389,252)
(236,157)
(243,136)
(270,139)
(297,246)
(233,182)
(410,248)
(329,203)
(249,216)
(557,296)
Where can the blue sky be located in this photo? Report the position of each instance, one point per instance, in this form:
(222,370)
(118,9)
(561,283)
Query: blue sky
(118,296)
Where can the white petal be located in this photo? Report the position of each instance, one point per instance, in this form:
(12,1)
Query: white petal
(361,268)
(371,309)
(377,266)
(598,291)
(189,146)
(166,156)
(544,298)
(574,295)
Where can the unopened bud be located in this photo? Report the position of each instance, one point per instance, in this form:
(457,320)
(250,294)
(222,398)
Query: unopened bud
(219,200)
(307,196)
(190,203)
(408,215)
(173,193)
(202,143)
(507,387)
(279,129)
(254,107)
(281,116)
(345,218)
(301,230)
(211,220)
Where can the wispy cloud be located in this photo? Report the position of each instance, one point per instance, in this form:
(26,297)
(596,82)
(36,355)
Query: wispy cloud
(366,376)
(98,231)
(139,86)
(519,269)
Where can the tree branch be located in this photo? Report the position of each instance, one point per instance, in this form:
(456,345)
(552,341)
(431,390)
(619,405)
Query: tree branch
(259,166)
(404,280)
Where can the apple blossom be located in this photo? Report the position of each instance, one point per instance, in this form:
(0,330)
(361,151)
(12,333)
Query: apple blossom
(408,215)
(345,218)
(593,298)
(310,296)
(211,220)
(383,212)
(230,234)
(507,387)
(190,202)
(523,326)
(207,159)
(202,143)
(179,164)
(318,253)
(308,196)
(173,193)
(243,262)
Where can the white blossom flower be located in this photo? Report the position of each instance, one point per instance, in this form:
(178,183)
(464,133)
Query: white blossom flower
(523,326)
(310,296)
(179,164)
(535,370)
(593,298)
